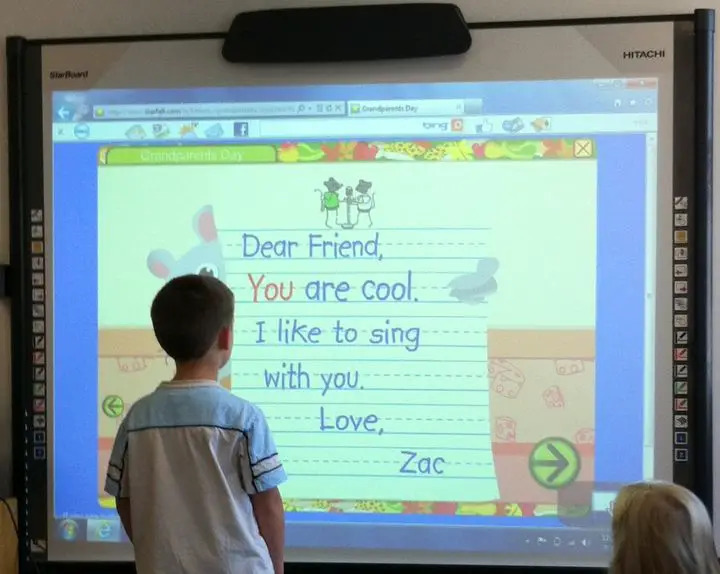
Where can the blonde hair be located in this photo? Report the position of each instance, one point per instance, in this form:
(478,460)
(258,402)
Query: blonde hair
(661,528)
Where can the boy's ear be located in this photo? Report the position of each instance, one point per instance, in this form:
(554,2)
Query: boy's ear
(225,339)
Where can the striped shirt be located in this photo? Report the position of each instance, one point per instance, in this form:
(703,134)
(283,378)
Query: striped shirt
(188,456)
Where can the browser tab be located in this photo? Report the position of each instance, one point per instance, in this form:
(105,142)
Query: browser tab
(395,108)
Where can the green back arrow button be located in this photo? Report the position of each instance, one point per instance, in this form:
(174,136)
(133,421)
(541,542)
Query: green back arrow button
(113,406)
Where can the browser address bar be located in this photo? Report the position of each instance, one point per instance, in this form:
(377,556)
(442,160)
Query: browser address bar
(217,110)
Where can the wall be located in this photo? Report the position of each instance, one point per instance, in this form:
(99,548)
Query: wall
(68,18)
(8,544)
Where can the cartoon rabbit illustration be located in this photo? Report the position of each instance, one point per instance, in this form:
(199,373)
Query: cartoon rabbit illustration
(205,258)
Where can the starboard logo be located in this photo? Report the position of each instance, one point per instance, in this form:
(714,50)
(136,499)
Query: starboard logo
(69,75)
(643,54)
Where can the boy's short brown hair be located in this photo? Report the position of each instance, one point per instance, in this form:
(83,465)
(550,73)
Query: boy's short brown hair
(188,314)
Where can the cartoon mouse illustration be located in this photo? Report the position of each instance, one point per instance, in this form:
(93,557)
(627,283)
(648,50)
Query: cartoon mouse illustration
(330,201)
(474,288)
(205,258)
(365,202)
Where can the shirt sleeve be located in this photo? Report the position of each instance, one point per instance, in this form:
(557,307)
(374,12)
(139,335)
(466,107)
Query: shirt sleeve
(261,466)
(117,482)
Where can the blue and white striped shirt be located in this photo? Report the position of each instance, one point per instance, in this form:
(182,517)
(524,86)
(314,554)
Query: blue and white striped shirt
(189,456)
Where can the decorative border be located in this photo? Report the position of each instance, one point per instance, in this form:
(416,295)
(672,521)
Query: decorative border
(516,509)
(492,508)
(457,150)
(418,150)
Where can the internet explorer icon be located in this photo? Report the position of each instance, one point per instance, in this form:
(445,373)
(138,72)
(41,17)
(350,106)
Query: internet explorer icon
(103,530)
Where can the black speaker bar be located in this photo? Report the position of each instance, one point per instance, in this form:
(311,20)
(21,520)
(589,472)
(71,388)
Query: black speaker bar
(347,34)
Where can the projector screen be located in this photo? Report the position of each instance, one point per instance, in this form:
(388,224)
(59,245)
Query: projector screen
(455,280)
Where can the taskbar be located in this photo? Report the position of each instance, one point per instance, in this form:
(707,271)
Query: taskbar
(564,541)
(593,544)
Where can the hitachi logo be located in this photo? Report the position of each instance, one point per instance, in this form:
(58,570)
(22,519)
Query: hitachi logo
(643,54)
(69,75)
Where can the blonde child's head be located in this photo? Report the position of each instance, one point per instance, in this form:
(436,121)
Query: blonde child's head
(661,528)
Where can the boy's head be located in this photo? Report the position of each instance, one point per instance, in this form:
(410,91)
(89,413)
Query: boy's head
(192,316)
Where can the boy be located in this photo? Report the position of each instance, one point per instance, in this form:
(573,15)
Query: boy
(194,469)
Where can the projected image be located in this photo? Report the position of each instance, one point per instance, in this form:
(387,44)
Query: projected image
(411,316)
(444,298)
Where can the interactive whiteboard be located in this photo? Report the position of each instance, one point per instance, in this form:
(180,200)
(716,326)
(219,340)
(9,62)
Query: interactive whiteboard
(461,285)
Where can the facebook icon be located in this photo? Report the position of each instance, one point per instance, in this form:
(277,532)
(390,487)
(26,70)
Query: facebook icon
(241,129)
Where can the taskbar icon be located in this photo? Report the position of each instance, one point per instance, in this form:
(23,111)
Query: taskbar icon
(69,530)
(104,530)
